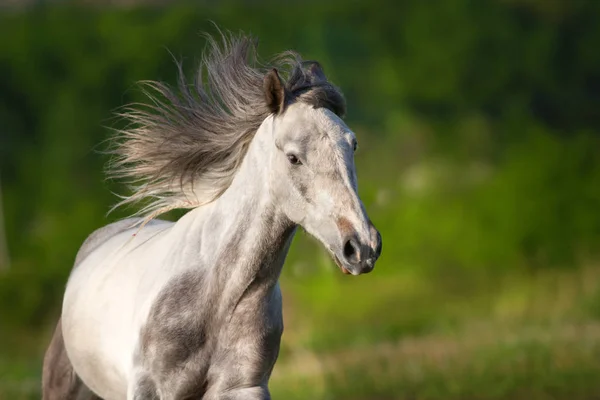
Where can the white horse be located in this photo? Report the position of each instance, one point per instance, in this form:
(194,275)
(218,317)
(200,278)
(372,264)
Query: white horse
(192,309)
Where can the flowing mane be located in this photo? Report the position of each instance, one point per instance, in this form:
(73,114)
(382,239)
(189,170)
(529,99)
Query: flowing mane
(183,148)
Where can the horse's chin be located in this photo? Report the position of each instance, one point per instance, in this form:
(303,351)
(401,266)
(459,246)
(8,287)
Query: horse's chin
(339,264)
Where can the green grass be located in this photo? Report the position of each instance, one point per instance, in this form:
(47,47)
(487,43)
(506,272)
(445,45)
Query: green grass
(513,336)
(518,336)
(483,362)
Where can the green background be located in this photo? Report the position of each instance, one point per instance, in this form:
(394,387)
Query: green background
(478,124)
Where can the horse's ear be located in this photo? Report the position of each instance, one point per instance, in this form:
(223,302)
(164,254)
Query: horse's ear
(274,91)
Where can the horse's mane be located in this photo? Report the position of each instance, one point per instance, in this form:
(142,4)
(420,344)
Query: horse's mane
(183,149)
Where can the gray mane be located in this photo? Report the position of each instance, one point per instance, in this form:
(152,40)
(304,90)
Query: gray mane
(183,149)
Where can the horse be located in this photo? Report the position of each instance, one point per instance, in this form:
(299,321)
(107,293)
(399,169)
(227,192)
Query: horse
(193,309)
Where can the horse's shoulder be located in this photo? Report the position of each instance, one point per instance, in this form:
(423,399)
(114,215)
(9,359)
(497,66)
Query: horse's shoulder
(101,235)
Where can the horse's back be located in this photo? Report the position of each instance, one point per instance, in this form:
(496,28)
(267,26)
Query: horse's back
(59,379)
(101,235)
(98,320)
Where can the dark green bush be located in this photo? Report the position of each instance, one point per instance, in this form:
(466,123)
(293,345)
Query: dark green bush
(478,124)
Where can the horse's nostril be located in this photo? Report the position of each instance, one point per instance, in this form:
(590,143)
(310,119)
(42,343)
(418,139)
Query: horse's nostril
(350,253)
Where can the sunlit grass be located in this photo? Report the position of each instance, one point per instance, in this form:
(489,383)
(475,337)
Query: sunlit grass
(411,336)
(522,335)
(493,362)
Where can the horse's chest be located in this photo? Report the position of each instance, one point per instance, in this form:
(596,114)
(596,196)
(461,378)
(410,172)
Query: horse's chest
(176,328)
(186,346)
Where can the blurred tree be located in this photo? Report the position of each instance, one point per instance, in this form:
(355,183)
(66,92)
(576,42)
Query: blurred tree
(4,259)
(490,108)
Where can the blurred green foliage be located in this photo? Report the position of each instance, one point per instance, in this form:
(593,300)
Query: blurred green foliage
(478,124)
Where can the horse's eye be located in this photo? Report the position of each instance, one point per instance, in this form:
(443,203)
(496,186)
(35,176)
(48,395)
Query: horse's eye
(293,159)
(355,145)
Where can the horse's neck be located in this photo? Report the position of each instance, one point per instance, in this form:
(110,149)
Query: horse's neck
(243,237)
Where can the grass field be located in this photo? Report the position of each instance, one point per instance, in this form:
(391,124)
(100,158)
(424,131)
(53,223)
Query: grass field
(519,337)
(516,337)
